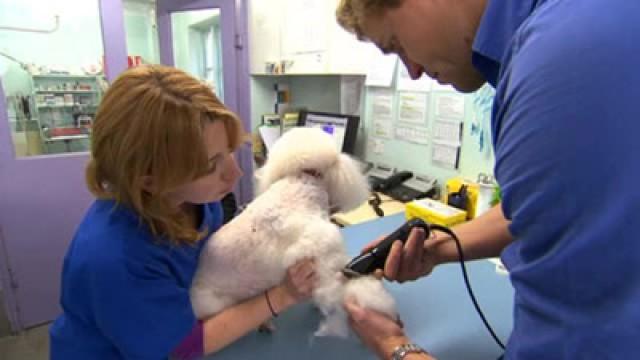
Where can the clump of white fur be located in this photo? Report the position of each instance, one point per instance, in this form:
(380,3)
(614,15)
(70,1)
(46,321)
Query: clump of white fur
(288,222)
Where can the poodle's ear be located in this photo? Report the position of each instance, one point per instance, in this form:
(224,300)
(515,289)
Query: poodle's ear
(348,187)
(297,150)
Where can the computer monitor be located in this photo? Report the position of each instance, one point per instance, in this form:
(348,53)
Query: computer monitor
(343,128)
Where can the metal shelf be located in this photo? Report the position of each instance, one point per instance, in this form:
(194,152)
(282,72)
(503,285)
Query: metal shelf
(67,137)
(66,92)
(45,86)
(64,76)
(45,106)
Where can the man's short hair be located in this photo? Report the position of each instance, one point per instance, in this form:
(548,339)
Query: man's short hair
(352,13)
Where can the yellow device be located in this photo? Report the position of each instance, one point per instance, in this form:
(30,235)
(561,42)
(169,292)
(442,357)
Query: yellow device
(473,190)
(435,212)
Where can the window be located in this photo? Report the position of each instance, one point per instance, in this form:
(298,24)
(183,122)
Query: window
(51,68)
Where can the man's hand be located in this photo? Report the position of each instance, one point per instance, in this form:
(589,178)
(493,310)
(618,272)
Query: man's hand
(376,330)
(408,262)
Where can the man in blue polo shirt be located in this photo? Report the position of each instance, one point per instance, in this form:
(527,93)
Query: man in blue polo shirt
(565,128)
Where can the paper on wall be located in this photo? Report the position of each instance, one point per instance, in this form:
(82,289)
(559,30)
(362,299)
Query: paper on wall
(423,84)
(436,86)
(413,108)
(382,127)
(381,113)
(382,104)
(381,69)
(449,131)
(450,106)
(377,146)
(412,134)
(445,154)
(303,30)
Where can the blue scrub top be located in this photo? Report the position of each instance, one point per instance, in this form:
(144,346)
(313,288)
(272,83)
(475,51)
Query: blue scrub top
(125,295)
(565,130)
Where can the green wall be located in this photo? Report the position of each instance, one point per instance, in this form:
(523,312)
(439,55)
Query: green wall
(404,155)
(186,48)
(77,42)
(322,93)
(141,31)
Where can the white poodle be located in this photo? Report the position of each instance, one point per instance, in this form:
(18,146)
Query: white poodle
(304,179)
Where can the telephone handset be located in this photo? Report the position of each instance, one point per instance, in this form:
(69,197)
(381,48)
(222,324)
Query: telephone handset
(384,180)
(418,187)
(378,174)
(394,181)
(384,177)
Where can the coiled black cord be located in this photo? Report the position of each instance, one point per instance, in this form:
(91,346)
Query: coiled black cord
(375,202)
(449,232)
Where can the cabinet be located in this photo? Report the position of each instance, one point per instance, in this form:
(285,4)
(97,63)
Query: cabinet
(303,37)
(65,107)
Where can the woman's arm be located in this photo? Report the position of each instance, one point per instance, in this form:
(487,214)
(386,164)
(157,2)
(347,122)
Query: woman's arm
(238,320)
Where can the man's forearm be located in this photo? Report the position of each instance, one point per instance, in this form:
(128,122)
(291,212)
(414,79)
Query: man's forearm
(483,237)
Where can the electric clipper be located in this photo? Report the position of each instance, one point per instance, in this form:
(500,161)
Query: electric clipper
(366,263)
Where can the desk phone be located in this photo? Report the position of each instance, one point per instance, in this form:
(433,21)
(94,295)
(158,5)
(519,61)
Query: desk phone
(378,174)
(418,187)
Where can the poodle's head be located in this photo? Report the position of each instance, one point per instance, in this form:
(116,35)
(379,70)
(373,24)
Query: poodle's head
(311,150)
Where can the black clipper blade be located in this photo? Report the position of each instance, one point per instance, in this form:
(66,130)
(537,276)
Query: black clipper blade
(366,263)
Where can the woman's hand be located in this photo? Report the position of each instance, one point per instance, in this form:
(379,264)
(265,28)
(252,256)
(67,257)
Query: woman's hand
(376,330)
(299,282)
(411,261)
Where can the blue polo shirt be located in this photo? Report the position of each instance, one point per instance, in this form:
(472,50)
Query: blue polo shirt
(566,133)
(125,295)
